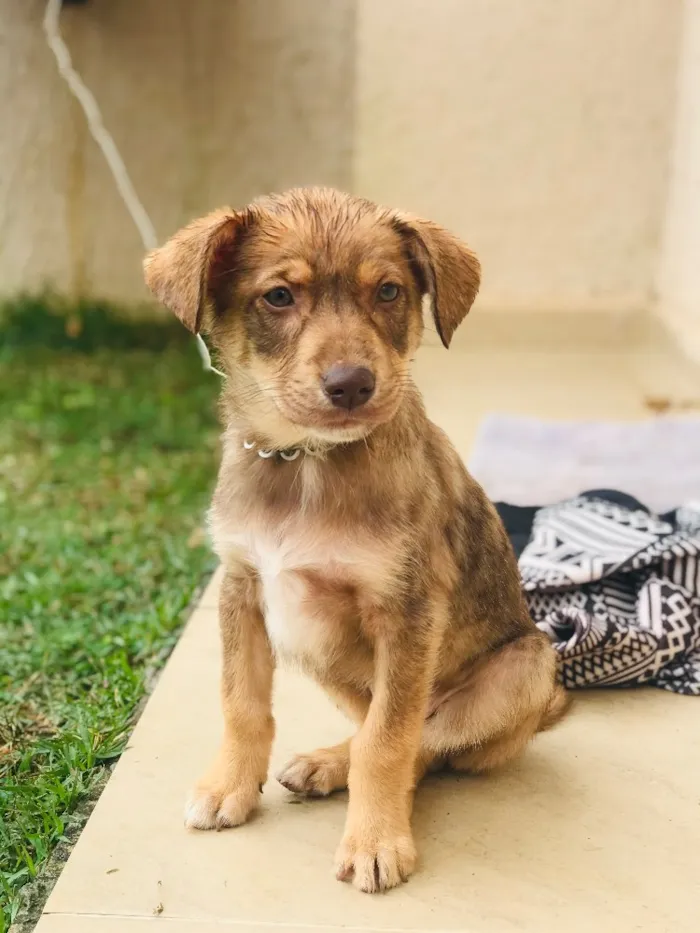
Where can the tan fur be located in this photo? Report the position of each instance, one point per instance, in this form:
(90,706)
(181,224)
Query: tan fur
(373,560)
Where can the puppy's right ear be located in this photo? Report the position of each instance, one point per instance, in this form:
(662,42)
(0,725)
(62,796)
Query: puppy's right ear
(186,274)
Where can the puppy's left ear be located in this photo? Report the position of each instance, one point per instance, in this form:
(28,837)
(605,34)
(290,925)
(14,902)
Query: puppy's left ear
(444,268)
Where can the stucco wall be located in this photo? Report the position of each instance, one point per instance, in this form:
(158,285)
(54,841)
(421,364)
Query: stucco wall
(539,130)
(679,280)
(210,102)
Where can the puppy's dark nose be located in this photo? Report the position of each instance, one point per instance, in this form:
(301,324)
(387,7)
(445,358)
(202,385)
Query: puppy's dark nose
(348,386)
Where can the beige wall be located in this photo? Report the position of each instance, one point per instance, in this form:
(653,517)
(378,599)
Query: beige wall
(538,129)
(679,278)
(210,102)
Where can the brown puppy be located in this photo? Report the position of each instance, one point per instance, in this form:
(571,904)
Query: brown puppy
(355,542)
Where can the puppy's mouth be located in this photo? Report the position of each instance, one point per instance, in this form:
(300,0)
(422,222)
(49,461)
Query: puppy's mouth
(332,426)
(329,420)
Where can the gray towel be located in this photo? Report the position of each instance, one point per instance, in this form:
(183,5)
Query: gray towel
(527,461)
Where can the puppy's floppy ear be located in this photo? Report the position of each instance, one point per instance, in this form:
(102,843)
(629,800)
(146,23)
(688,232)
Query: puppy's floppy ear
(444,268)
(186,273)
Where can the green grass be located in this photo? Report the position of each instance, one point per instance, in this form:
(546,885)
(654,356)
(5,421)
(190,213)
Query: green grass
(108,445)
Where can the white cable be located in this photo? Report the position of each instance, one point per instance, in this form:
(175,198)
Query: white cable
(104,140)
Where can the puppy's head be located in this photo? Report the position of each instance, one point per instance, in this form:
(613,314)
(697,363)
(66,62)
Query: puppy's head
(313,300)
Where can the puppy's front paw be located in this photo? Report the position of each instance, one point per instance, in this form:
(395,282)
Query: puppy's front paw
(317,774)
(218,806)
(375,863)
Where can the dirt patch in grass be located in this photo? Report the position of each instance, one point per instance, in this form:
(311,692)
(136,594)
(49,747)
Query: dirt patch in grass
(108,445)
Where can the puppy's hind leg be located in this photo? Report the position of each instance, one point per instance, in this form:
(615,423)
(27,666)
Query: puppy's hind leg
(502,702)
(321,772)
(325,770)
(318,773)
(494,754)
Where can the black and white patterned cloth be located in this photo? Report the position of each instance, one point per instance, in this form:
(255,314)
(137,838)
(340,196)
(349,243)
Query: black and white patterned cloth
(615,587)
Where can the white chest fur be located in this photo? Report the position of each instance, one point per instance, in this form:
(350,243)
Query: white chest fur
(294,628)
(295,622)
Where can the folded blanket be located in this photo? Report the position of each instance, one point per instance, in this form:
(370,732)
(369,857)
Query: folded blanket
(615,587)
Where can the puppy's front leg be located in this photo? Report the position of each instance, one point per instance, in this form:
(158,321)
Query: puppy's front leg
(230,791)
(377,849)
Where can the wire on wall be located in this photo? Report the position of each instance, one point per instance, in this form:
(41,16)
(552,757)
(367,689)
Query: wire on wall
(105,141)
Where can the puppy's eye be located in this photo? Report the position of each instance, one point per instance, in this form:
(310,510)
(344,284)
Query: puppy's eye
(279,297)
(389,291)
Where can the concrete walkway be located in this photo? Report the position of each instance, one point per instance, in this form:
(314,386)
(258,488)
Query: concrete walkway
(596,828)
